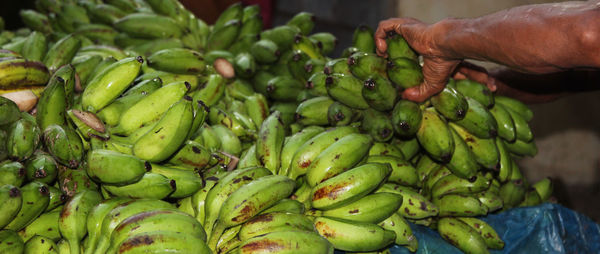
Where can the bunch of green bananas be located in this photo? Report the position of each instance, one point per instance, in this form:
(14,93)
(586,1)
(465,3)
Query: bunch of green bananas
(153,130)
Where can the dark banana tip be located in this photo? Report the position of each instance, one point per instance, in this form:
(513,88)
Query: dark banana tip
(60,79)
(491,105)
(270,88)
(14,192)
(472,179)
(257,37)
(277,53)
(296,57)
(173,184)
(518,182)
(309,85)
(187,98)
(339,116)
(188,86)
(335,42)
(391,33)
(158,80)
(63,197)
(313,18)
(21,172)
(297,116)
(370,84)
(404,126)
(147,166)
(390,64)
(446,157)
(328,80)
(460,113)
(297,38)
(363,27)
(140,59)
(308,67)
(203,105)
(493,133)
(40,173)
(351,61)
(195,149)
(44,190)
(327,70)
(320,45)
(385,132)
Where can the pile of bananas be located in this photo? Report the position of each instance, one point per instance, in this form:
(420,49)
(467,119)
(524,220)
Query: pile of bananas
(131,126)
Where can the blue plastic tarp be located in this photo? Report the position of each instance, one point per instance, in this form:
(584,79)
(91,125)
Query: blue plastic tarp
(547,228)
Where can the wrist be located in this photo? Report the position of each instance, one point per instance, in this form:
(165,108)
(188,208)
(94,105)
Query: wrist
(450,36)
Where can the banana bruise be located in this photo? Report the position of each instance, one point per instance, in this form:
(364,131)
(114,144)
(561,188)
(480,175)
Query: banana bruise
(95,219)
(414,205)
(151,186)
(249,200)
(287,242)
(377,124)
(187,182)
(192,155)
(160,220)
(379,93)
(313,111)
(308,151)
(110,83)
(114,168)
(224,188)
(35,199)
(403,172)
(406,118)
(346,89)
(354,236)
(292,144)
(387,149)
(11,199)
(461,235)
(157,241)
(73,217)
(274,222)
(485,150)
(460,205)
(363,39)
(177,60)
(404,72)
(23,137)
(349,186)
(373,208)
(148,25)
(404,234)
(72,181)
(340,156)
(64,144)
(121,212)
(435,137)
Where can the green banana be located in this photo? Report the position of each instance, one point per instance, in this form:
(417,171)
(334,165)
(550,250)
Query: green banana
(95,219)
(40,244)
(340,156)
(244,65)
(99,68)
(22,72)
(339,114)
(349,186)
(114,168)
(491,199)
(409,147)
(265,51)
(230,143)
(12,173)
(9,111)
(23,138)
(270,142)
(199,198)
(453,184)
(406,118)
(346,89)
(72,181)
(363,39)
(212,91)
(104,13)
(157,241)
(282,35)
(52,104)
(251,25)
(460,205)
(151,185)
(463,162)
(64,144)
(363,64)
(506,125)
(42,168)
(286,206)
(450,103)
(248,158)
(149,25)
(11,199)
(249,200)
(221,37)
(187,182)
(381,148)
(287,110)
(284,88)
(512,193)
(475,91)
(308,47)
(338,65)
(35,46)
(274,222)
(522,129)
(461,235)
(10,242)
(35,199)
(313,111)
(435,137)
(57,198)
(308,151)
(377,124)
(73,217)
(257,107)
(36,21)
(325,41)
(516,106)
(354,236)
(373,208)
(286,242)
(379,93)
(485,150)
(414,205)
(404,234)
(404,72)
(505,163)
(489,235)
(479,121)
(522,148)
(240,89)
(292,144)
(106,86)
(402,171)
(177,60)
(544,188)
(84,66)
(62,52)
(398,47)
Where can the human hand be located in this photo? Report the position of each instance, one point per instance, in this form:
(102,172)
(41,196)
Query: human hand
(437,66)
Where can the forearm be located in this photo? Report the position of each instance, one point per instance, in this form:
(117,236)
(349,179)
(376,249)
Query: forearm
(536,38)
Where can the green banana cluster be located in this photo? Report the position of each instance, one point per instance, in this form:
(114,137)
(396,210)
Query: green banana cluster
(155,131)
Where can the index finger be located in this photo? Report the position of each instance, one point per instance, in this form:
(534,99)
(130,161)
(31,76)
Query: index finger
(381,33)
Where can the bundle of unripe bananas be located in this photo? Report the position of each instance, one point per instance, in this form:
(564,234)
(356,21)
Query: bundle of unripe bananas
(131,126)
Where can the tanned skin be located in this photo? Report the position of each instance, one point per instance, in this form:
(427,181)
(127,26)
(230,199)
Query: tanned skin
(548,50)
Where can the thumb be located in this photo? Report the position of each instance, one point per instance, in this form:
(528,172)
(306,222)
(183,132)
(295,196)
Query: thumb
(436,72)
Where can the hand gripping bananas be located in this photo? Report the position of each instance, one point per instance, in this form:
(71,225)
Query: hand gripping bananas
(156,131)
